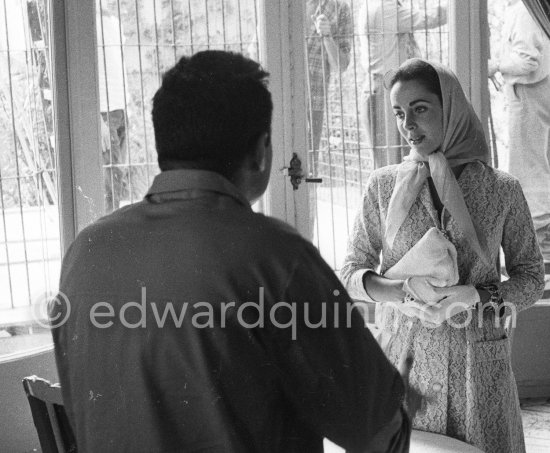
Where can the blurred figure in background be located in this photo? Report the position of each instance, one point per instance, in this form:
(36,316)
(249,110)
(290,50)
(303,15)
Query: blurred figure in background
(386,31)
(328,50)
(524,62)
(112,106)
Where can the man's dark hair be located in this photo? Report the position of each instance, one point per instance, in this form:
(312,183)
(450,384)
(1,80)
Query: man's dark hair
(418,70)
(210,111)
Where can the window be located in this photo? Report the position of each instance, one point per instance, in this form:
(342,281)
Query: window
(351,129)
(518,108)
(29,217)
(93,149)
(135,42)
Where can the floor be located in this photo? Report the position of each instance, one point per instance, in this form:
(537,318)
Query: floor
(535,412)
(536,425)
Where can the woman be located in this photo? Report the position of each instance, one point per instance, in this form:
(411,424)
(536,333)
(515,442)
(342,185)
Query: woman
(462,354)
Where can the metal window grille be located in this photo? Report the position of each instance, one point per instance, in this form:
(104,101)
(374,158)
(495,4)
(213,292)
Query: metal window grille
(137,42)
(344,156)
(29,227)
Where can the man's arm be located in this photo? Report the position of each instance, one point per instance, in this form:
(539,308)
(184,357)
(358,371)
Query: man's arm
(338,50)
(394,437)
(335,375)
(526,44)
(333,53)
(409,20)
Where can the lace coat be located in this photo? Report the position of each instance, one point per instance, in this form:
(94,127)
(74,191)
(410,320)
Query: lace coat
(465,370)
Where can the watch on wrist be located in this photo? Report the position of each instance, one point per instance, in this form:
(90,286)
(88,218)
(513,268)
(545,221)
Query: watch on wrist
(495,300)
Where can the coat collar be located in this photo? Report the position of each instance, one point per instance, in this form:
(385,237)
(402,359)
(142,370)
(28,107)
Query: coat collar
(171,182)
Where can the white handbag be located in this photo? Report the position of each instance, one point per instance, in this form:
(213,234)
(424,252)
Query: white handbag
(433,256)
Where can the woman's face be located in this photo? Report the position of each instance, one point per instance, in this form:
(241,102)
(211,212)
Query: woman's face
(419,116)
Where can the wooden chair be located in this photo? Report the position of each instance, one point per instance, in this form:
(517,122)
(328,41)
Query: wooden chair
(48,413)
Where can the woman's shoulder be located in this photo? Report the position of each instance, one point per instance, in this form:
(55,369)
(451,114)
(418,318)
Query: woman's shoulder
(497,177)
(382,179)
(383,173)
(497,185)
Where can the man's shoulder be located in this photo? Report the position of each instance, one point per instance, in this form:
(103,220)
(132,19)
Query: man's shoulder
(108,224)
(250,227)
(275,226)
(279,232)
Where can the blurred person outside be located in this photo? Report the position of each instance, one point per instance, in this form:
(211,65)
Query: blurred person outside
(524,62)
(329,36)
(328,51)
(386,33)
(112,106)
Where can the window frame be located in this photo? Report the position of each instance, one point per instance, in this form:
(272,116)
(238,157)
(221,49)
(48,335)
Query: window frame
(76,107)
(76,98)
(467,18)
(76,103)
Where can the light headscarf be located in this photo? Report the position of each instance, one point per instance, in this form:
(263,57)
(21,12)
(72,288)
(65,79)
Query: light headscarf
(463,142)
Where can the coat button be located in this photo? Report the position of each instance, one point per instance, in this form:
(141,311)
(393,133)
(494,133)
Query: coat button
(437,387)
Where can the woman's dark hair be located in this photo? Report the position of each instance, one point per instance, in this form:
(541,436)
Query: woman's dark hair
(210,111)
(418,70)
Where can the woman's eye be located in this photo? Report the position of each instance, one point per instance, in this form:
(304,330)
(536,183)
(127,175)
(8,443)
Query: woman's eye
(420,109)
(399,115)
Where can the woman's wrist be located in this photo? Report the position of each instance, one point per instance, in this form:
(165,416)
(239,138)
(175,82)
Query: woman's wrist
(382,289)
(494,302)
(484,295)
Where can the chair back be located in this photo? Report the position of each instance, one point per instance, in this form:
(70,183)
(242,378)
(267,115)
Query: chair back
(49,416)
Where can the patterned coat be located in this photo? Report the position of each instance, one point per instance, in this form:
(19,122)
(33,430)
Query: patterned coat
(465,370)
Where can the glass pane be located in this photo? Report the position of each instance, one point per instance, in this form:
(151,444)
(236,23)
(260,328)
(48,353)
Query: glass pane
(520,108)
(29,214)
(137,41)
(350,45)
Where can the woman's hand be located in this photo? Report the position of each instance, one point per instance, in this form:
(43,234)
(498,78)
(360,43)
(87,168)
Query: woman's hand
(423,289)
(454,300)
(382,289)
(410,307)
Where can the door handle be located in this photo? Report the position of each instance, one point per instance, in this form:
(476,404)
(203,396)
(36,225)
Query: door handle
(294,170)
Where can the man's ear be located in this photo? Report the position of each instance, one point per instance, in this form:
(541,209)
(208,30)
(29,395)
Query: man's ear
(261,151)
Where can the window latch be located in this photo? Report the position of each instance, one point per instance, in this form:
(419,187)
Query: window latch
(294,170)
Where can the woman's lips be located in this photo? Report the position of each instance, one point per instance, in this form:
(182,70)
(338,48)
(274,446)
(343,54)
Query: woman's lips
(416,140)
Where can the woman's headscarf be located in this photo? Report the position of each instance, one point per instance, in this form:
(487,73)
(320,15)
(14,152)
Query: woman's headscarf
(463,142)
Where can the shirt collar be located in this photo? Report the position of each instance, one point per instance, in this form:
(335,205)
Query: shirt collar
(184,179)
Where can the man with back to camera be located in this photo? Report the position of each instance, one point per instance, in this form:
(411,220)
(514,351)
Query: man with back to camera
(160,350)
